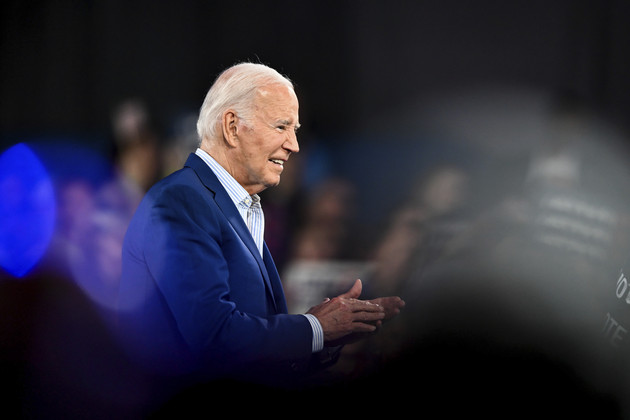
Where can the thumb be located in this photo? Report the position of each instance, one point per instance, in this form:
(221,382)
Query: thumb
(355,290)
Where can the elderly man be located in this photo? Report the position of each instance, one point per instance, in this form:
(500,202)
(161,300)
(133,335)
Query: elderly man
(199,290)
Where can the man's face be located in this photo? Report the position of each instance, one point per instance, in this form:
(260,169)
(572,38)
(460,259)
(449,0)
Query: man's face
(265,143)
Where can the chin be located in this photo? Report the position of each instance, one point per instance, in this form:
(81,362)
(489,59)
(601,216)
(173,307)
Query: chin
(272,181)
(272,184)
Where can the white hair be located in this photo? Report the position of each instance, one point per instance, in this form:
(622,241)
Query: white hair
(235,89)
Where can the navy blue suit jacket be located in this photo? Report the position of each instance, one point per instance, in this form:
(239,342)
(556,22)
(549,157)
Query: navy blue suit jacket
(195,294)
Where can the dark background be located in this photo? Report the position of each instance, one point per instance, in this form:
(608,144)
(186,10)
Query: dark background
(67,64)
(371,77)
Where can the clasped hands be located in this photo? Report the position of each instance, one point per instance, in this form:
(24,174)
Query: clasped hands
(345,318)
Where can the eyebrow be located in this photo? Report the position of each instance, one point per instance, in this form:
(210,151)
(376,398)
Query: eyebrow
(289,122)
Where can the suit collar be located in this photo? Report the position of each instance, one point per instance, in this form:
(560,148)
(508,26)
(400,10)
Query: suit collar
(203,171)
(223,200)
(225,203)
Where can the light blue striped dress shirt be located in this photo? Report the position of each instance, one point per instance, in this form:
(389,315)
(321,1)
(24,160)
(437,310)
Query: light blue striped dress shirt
(251,211)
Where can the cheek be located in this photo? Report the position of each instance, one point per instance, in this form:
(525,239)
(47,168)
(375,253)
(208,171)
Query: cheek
(257,166)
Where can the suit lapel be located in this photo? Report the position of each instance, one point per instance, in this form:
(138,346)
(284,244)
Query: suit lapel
(223,200)
(276,284)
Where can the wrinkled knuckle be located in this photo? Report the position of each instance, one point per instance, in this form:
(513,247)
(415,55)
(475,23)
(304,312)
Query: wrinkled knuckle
(336,300)
(342,304)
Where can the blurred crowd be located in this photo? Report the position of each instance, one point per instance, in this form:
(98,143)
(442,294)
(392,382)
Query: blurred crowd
(511,264)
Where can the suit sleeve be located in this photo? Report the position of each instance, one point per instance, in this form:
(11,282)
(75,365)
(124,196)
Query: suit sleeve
(183,250)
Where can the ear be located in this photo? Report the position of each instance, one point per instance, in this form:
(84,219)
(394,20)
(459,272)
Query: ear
(229,123)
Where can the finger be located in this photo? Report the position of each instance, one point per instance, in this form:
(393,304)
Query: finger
(392,305)
(368,316)
(360,327)
(355,290)
(364,306)
(389,300)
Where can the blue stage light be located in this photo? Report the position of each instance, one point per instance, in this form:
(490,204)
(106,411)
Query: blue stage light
(27,210)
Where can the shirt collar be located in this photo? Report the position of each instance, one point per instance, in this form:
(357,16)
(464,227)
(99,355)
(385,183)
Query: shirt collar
(237,193)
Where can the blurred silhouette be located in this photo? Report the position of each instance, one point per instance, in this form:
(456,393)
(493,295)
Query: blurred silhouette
(435,212)
(320,261)
(326,230)
(182,140)
(60,356)
(284,211)
(138,153)
(512,306)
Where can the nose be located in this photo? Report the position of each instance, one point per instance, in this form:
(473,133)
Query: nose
(291,143)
